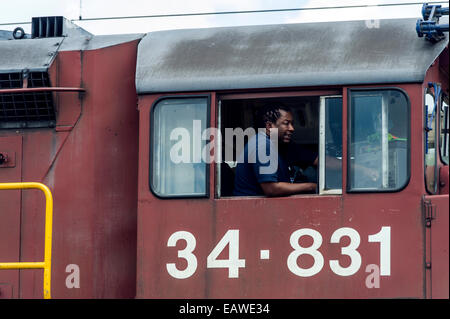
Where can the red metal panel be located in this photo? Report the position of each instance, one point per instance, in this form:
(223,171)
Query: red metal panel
(10,207)
(438,244)
(156,226)
(68,105)
(39,146)
(90,163)
(437,235)
(109,133)
(267,224)
(6,291)
(443,180)
(402,212)
(152,222)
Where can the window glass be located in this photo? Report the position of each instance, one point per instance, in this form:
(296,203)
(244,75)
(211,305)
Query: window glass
(443,138)
(331,144)
(430,148)
(378,141)
(177,165)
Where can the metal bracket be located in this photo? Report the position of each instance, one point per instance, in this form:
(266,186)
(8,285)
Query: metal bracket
(429,26)
(430,212)
(7,159)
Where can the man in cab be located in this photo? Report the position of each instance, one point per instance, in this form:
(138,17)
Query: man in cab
(254,176)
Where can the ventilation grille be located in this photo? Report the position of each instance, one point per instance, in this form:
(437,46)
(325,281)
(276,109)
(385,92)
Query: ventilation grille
(26,109)
(10,80)
(46,27)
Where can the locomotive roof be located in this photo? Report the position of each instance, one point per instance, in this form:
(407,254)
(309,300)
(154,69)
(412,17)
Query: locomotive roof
(270,56)
(38,54)
(264,56)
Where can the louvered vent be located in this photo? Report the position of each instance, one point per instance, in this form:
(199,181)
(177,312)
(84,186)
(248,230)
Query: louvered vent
(26,109)
(10,80)
(46,27)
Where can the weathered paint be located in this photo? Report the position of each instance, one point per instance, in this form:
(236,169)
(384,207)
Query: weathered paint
(438,245)
(89,161)
(267,223)
(288,55)
(10,215)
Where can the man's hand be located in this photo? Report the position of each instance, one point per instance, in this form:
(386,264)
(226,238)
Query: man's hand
(284,189)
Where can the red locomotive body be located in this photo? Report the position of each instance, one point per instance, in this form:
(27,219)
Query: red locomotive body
(78,159)
(130,222)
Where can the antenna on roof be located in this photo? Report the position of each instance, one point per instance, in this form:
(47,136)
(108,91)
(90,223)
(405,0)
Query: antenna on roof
(429,26)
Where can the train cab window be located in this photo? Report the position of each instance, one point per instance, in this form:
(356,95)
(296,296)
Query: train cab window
(443,137)
(176,166)
(430,147)
(317,125)
(330,155)
(378,140)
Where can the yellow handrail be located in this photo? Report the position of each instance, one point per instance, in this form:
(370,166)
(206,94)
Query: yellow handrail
(46,265)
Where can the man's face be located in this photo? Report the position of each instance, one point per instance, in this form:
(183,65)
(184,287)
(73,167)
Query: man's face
(285,126)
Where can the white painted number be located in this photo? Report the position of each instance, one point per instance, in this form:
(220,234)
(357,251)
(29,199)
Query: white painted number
(384,238)
(349,250)
(186,253)
(233,263)
(311,250)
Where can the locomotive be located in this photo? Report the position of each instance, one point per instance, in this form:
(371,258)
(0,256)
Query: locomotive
(93,121)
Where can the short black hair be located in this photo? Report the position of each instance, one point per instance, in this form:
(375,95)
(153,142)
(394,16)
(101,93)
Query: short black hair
(271,113)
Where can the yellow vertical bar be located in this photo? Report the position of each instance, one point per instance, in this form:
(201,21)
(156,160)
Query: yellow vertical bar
(48,239)
(48,232)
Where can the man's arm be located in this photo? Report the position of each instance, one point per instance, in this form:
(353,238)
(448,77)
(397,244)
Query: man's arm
(272,189)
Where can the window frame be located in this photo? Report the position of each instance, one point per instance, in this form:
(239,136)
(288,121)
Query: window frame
(221,96)
(426,91)
(349,134)
(151,146)
(322,151)
(441,99)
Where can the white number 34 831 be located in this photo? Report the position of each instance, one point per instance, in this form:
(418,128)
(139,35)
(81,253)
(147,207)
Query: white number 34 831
(233,263)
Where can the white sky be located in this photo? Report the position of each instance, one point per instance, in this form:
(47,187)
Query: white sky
(24,10)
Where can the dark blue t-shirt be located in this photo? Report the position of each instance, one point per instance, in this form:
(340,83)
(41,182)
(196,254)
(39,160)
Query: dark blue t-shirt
(255,167)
